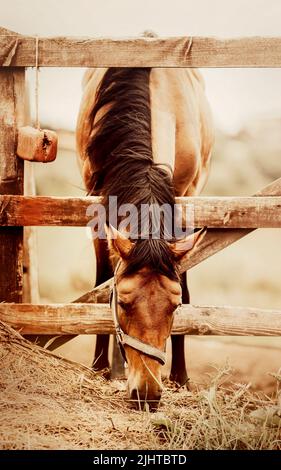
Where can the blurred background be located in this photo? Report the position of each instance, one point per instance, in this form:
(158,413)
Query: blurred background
(246,105)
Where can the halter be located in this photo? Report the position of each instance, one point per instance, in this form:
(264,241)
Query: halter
(124,339)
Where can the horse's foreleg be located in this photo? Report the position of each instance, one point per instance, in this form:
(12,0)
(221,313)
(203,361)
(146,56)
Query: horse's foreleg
(103,273)
(178,368)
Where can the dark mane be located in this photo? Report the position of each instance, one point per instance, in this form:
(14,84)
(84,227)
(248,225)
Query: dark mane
(120,153)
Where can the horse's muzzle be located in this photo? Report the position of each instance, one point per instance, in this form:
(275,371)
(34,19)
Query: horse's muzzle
(139,400)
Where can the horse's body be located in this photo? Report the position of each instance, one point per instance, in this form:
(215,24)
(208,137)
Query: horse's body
(181,125)
(174,121)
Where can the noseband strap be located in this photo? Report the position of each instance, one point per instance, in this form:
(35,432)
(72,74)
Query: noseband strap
(124,339)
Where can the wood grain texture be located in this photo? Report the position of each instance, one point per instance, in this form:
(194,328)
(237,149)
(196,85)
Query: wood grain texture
(30,255)
(30,258)
(12,93)
(66,319)
(18,50)
(218,239)
(226,212)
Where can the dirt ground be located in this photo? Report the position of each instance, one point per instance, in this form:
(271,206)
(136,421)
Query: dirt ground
(52,403)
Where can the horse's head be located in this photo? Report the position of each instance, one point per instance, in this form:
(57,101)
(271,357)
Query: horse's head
(144,302)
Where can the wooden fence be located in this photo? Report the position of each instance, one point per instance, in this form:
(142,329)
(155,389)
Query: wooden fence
(228,219)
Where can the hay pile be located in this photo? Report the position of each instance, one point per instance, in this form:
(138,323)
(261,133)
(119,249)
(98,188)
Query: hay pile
(51,403)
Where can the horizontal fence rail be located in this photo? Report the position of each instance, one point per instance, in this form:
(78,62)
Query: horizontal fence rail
(20,51)
(68,319)
(214,212)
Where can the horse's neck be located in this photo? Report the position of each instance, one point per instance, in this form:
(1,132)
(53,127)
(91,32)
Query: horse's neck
(163,128)
(181,127)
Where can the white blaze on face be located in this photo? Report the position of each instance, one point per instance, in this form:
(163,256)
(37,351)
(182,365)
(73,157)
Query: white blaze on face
(145,382)
(134,381)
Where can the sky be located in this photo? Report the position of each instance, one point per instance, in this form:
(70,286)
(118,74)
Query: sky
(236,95)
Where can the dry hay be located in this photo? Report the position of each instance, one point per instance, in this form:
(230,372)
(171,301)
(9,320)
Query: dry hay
(51,403)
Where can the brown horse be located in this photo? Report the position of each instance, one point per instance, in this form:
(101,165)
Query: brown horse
(144,135)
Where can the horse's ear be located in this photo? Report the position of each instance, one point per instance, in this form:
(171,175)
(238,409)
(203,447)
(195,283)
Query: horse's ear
(183,247)
(117,241)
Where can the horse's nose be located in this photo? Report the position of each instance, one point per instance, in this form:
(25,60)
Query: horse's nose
(140,398)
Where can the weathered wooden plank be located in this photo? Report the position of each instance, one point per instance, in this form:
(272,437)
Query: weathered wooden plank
(11,180)
(30,258)
(141,52)
(226,212)
(65,319)
(42,210)
(218,239)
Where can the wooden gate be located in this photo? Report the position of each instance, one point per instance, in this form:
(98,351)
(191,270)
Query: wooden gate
(228,218)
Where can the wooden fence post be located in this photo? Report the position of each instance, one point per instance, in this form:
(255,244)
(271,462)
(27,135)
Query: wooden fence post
(12,115)
(30,258)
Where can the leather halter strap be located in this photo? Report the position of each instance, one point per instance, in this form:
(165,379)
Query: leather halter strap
(124,339)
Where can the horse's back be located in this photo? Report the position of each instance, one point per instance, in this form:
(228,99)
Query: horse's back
(181,125)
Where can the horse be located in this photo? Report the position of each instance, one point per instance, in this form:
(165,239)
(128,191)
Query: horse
(144,135)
